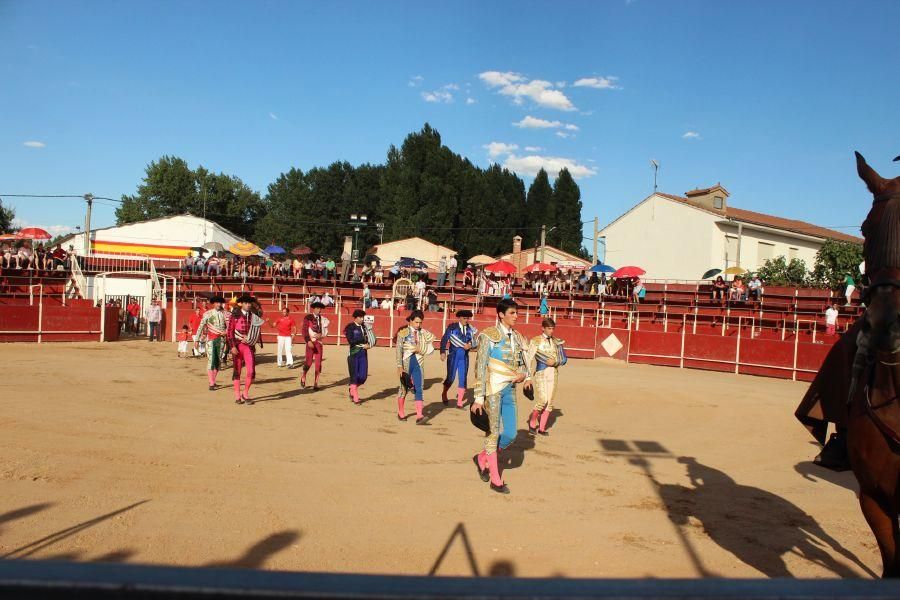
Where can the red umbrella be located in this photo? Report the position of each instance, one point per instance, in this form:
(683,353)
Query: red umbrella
(33,233)
(541,267)
(7,236)
(302,251)
(502,267)
(628,272)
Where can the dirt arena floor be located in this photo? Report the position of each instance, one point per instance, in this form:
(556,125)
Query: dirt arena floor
(119,453)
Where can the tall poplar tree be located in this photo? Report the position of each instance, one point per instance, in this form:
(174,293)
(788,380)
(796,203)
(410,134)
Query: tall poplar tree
(568,235)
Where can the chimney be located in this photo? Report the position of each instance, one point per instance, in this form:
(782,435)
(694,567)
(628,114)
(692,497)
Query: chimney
(517,244)
(713,198)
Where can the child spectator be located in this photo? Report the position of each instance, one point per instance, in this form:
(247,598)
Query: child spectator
(831,317)
(183,338)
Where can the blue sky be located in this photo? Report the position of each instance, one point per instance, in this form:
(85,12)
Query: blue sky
(769,98)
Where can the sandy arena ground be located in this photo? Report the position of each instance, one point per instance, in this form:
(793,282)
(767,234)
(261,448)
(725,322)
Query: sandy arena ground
(119,453)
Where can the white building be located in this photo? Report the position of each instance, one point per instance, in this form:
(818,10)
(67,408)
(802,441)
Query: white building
(165,237)
(674,237)
(414,247)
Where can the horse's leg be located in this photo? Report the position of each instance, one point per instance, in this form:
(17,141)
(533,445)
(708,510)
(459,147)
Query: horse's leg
(883,524)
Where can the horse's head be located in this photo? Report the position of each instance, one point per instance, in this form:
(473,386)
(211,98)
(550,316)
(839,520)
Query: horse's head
(881,229)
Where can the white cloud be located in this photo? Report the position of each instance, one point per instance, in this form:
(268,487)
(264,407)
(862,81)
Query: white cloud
(470,100)
(599,83)
(533,148)
(497,79)
(415,81)
(496,149)
(33,144)
(691,135)
(563,134)
(531,164)
(530,122)
(519,88)
(438,96)
(273,116)
(560,84)
(442,94)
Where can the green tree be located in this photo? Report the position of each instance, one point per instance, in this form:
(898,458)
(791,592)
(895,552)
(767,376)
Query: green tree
(7,216)
(170,187)
(568,235)
(539,206)
(778,271)
(834,261)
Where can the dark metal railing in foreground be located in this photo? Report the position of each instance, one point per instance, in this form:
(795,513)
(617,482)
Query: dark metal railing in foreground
(37,579)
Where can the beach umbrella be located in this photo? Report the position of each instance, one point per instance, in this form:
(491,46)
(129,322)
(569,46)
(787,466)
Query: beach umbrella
(628,272)
(601,268)
(540,267)
(33,233)
(7,236)
(711,273)
(501,267)
(735,271)
(199,249)
(370,258)
(406,262)
(481,259)
(244,249)
(302,251)
(214,247)
(274,249)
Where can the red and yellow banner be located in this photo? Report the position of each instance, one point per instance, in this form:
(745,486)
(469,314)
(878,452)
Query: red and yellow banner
(153,250)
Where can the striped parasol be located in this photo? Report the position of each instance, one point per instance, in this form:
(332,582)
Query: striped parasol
(244,249)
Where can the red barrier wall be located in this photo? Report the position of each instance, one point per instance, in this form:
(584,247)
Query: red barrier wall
(58,323)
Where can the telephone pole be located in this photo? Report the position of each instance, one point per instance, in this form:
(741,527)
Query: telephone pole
(89,198)
(596,233)
(543,240)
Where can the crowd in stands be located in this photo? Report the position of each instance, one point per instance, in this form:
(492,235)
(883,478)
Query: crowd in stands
(25,256)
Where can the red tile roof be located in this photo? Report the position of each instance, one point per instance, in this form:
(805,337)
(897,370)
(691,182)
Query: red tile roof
(792,225)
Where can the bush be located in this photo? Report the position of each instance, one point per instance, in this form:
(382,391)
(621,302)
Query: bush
(778,271)
(834,261)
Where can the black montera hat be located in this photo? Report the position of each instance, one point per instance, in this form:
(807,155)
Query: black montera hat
(317,305)
(216,298)
(464,313)
(246,298)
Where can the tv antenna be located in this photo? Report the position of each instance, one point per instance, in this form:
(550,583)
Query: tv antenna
(655,164)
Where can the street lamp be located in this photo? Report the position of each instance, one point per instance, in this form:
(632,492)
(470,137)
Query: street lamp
(358,222)
(602,240)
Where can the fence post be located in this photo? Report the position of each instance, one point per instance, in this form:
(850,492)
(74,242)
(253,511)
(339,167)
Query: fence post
(683,333)
(175,310)
(103,310)
(737,352)
(391,332)
(444,320)
(796,344)
(340,314)
(40,314)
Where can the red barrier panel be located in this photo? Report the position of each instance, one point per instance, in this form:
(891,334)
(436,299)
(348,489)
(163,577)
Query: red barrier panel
(656,348)
(57,323)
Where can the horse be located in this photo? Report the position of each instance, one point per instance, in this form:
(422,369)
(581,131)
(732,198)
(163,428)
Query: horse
(873,406)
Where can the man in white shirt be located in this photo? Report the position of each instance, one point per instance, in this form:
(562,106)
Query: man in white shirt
(154,318)
(451,268)
(420,294)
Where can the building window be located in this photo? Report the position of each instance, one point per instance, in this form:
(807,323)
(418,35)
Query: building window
(792,254)
(764,251)
(718,202)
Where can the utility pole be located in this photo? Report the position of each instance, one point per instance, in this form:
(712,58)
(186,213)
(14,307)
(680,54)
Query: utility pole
(543,240)
(89,198)
(596,233)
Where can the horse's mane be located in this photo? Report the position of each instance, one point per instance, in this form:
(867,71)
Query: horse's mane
(882,236)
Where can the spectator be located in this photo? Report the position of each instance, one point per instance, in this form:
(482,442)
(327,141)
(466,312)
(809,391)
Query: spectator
(638,292)
(755,288)
(452,265)
(737,290)
(134,315)
(387,304)
(26,256)
(442,271)
(544,308)
(297,268)
(212,266)
(420,294)
(379,274)
(194,322)
(602,287)
(154,318)
(432,299)
(330,267)
(183,336)
(320,268)
(327,300)
(286,327)
(60,258)
(188,266)
(199,265)
(366,296)
(848,291)
(719,289)
(309,268)
(345,266)
(831,318)
(468,276)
